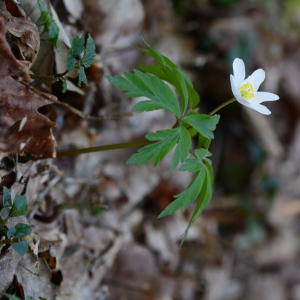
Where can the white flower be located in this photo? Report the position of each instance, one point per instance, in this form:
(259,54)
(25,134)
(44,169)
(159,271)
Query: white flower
(245,90)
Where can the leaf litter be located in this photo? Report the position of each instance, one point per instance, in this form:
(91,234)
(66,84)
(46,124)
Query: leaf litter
(127,252)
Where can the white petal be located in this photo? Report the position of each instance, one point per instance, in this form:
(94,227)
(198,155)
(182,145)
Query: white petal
(239,71)
(256,79)
(233,85)
(241,100)
(262,97)
(260,108)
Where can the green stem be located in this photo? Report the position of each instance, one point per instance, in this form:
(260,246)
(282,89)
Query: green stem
(221,106)
(104,148)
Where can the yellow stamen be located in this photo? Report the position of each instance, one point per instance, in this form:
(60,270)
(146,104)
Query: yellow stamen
(247,91)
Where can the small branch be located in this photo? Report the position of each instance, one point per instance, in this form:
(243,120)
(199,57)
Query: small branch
(89,117)
(104,148)
(53,78)
(73,109)
(24,238)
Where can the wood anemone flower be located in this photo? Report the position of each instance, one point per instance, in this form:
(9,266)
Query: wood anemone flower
(245,90)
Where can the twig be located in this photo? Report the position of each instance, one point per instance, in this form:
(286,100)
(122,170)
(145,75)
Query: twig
(24,238)
(104,148)
(73,109)
(53,78)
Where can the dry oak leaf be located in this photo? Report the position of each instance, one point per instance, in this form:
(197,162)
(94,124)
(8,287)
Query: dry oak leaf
(23,35)
(32,133)
(9,65)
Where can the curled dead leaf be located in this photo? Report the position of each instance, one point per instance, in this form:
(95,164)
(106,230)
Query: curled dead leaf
(32,135)
(23,35)
(9,65)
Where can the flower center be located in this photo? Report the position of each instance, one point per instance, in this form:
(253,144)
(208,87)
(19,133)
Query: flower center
(247,91)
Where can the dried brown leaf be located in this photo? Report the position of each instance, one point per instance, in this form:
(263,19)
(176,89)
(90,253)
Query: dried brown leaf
(9,65)
(16,103)
(23,35)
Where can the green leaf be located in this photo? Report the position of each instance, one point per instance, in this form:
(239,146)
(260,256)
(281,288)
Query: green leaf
(18,231)
(205,196)
(202,153)
(71,63)
(53,34)
(89,52)
(187,196)
(41,298)
(82,77)
(207,162)
(203,142)
(195,164)
(42,6)
(65,85)
(194,98)
(77,46)
(181,86)
(6,199)
(19,207)
(191,165)
(175,77)
(149,86)
(151,52)
(98,211)
(49,23)
(204,124)
(182,150)
(12,297)
(161,72)
(168,139)
(158,72)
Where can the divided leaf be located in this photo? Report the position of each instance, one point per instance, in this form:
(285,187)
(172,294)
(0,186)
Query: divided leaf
(89,52)
(186,197)
(201,186)
(204,124)
(77,46)
(195,164)
(71,63)
(19,207)
(6,199)
(53,34)
(149,86)
(82,77)
(205,196)
(167,140)
(168,71)
(183,147)
(50,25)
(18,231)
(12,297)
